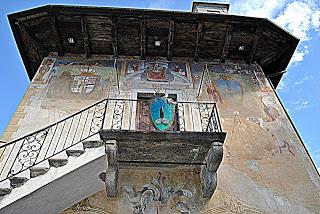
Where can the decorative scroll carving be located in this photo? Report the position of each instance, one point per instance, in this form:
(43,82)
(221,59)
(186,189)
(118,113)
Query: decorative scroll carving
(156,194)
(208,173)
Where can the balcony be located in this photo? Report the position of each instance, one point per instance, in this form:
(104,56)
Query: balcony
(193,139)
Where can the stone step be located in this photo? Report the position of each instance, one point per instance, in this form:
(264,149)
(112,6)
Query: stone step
(19,179)
(59,160)
(76,150)
(92,144)
(39,169)
(5,187)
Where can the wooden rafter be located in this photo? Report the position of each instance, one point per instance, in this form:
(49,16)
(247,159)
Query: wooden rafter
(208,44)
(256,40)
(226,44)
(198,41)
(56,32)
(115,37)
(22,49)
(33,46)
(143,38)
(85,35)
(276,54)
(170,39)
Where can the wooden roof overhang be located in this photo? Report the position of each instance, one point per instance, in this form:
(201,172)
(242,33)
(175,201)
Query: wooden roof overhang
(132,32)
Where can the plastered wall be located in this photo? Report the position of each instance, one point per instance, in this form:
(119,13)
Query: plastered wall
(265,168)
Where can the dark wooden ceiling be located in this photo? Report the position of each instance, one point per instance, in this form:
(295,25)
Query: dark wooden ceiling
(133,32)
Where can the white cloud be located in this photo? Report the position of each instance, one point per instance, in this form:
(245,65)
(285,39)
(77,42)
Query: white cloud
(300,104)
(303,80)
(297,18)
(283,85)
(316,20)
(300,18)
(257,8)
(298,56)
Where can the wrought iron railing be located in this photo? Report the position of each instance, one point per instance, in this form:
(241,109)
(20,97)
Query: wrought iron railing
(111,114)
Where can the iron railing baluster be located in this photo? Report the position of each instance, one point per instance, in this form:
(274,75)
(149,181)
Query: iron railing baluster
(32,144)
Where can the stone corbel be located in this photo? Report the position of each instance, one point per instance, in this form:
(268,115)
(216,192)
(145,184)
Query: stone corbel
(208,175)
(111,176)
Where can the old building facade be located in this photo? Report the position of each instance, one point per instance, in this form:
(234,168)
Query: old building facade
(139,111)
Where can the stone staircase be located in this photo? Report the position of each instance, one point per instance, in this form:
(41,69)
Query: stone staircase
(43,167)
(36,154)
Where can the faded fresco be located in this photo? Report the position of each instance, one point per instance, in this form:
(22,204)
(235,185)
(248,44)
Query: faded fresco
(91,79)
(65,85)
(265,167)
(44,73)
(138,71)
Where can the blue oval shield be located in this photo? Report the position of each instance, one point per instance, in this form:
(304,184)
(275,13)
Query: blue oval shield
(161,113)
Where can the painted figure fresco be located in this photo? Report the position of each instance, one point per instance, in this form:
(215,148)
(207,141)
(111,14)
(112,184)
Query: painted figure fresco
(197,71)
(135,66)
(219,87)
(274,125)
(178,68)
(212,91)
(44,74)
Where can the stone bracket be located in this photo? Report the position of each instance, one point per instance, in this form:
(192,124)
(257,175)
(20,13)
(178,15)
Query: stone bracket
(208,174)
(111,178)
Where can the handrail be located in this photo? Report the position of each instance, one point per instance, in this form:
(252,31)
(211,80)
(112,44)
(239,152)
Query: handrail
(27,151)
(41,129)
(114,99)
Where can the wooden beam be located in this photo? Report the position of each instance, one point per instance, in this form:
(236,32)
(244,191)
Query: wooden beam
(143,38)
(33,47)
(198,41)
(114,32)
(226,45)
(275,55)
(56,33)
(85,35)
(170,39)
(256,40)
(22,48)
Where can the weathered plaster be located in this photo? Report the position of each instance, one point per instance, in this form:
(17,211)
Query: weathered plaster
(265,168)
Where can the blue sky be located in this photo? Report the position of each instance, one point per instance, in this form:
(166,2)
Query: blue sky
(299,89)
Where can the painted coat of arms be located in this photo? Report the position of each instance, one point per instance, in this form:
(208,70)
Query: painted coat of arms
(162,112)
(157,71)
